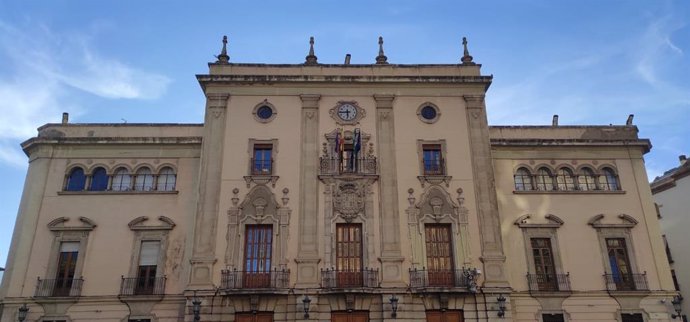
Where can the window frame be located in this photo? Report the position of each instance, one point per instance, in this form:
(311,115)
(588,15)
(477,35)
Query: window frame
(542,184)
(68,179)
(92,177)
(587,174)
(252,147)
(160,175)
(127,173)
(526,175)
(137,177)
(436,145)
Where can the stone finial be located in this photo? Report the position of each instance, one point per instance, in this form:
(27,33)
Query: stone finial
(629,122)
(381,59)
(311,58)
(466,58)
(554,121)
(65,118)
(682,158)
(223,58)
(347,59)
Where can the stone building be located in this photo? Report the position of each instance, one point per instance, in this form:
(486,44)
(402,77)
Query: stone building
(337,192)
(671,192)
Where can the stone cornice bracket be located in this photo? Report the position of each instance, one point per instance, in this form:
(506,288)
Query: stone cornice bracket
(381,59)
(310,101)
(58,224)
(466,58)
(628,222)
(223,58)
(217,100)
(311,58)
(474,100)
(553,222)
(384,101)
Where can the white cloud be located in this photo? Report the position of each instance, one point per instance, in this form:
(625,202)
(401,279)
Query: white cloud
(40,66)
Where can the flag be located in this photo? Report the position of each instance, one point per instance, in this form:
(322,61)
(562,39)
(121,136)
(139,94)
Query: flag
(357,142)
(336,147)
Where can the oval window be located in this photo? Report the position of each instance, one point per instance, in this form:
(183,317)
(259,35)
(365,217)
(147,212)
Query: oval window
(428,112)
(264,112)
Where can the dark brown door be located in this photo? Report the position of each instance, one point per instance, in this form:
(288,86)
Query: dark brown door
(254,317)
(620,264)
(543,264)
(439,255)
(357,316)
(445,316)
(349,255)
(67,265)
(257,256)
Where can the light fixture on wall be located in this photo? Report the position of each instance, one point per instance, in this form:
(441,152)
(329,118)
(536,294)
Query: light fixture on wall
(501,306)
(196,308)
(677,300)
(22,312)
(305,304)
(394,306)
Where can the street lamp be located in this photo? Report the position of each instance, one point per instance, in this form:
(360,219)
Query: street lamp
(305,304)
(677,300)
(501,306)
(394,306)
(23,311)
(196,308)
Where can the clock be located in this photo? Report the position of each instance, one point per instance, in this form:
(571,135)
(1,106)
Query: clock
(347,112)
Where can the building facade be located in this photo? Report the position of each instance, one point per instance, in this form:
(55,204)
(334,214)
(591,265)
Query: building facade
(317,192)
(671,191)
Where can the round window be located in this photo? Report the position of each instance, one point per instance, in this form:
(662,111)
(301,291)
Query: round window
(428,112)
(264,112)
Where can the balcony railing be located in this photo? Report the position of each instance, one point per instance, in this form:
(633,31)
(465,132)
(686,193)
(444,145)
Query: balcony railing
(142,285)
(275,279)
(61,287)
(548,282)
(333,278)
(261,167)
(336,166)
(626,282)
(434,167)
(460,278)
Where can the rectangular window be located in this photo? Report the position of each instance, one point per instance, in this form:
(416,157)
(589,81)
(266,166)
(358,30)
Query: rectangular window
(257,256)
(67,265)
(348,254)
(552,318)
(439,254)
(148,266)
(433,159)
(635,317)
(621,272)
(262,160)
(544,267)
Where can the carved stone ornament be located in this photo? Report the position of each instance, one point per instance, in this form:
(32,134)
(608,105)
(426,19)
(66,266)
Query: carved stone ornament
(348,200)
(347,113)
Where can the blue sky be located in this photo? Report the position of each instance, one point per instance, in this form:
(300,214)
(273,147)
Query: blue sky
(590,61)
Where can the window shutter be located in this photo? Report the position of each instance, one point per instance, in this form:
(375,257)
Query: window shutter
(148,256)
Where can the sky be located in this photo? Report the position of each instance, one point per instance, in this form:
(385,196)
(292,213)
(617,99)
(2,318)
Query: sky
(592,62)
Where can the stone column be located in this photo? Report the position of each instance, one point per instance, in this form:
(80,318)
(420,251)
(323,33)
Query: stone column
(208,195)
(391,257)
(308,247)
(485,192)
(25,227)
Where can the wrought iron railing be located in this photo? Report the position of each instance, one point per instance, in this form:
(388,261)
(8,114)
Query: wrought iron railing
(333,278)
(336,166)
(626,282)
(261,167)
(548,282)
(462,278)
(142,285)
(60,287)
(434,167)
(275,279)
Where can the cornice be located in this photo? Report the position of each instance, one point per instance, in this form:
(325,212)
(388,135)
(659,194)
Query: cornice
(645,144)
(37,141)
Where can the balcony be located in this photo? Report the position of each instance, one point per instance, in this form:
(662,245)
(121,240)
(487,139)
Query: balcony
(61,287)
(548,282)
(132,286)
(452,278)
(332,166)
(341,279)
(261,167)
(275,279)
(626,282)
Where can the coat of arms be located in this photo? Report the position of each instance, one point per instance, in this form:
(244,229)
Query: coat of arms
(349,200)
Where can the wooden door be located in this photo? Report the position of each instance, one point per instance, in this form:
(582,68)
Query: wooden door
(254,317)
(439,255)
(445,316)
(349,255)
(258,245)
(357,316)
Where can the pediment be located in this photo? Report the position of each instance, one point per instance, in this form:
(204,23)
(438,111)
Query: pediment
(552,221)
(58,224)
(138,224)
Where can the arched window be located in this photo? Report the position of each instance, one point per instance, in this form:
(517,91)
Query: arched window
(122,181)
(565,180)
(76,181)
(586,180)
(166,180)
(143,180)
(523,180)
(544,180)
(99,180)
(608,180)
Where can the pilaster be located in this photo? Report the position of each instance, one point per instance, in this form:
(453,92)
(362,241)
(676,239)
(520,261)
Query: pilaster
(487,205)
(208,196)
(391,257)
(308,247)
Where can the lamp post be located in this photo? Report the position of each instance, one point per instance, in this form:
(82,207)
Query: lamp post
(305,304)
(22,312)
(501,306)
(394,306)
(196,308)
(677,300)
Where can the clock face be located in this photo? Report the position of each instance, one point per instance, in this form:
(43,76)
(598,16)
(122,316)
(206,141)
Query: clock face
(347,112)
